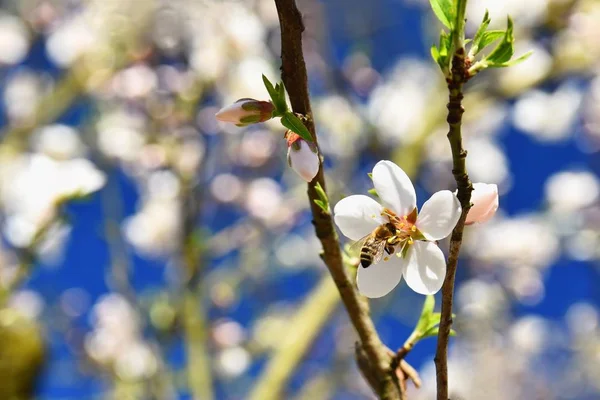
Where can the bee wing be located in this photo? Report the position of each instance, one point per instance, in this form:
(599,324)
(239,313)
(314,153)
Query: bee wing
(355,247)
(379,251)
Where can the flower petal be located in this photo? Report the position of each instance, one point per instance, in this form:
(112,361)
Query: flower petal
(357,216)
(426,268)
(304,160)
(485,203)
(379,279)
(394,187)
(439,215)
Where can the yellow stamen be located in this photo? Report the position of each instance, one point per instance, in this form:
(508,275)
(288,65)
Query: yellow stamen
(413,228)
(410,241)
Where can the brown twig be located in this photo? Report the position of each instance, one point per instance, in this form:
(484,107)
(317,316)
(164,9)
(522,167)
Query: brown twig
(459,170)
(293,72)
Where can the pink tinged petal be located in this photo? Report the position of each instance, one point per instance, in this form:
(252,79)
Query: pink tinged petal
(439,215)
(233,113)
(357,216)
(394,187)
(485,203)
(303,160)
(379,279)
(246,111)
(426,268)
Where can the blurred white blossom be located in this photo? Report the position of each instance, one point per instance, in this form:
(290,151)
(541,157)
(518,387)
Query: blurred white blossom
(396,107)
(120,135)
(58,141)
(116,340)
(526,240)
(154,229)
(548,116)
(233,361)
(28,302)
(528,73)
(33,185)
(14,39)
(569,191)
(22,94)
(525,13)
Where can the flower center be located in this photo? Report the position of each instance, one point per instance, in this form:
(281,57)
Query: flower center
(406,231)
(292,137)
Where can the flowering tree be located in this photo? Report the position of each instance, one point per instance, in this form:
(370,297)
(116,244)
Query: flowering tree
(156,244)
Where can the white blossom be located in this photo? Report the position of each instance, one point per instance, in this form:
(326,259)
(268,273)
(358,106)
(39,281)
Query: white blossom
(485,203)
(419,260)
(302,156)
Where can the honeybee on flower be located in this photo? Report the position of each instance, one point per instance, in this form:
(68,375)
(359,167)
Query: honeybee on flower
(398,228)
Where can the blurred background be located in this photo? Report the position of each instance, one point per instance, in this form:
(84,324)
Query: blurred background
(150,252)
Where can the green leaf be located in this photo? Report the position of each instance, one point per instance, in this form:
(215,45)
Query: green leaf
(428,305)
(427,311)
(434,332)
(323,200)
(370,175)
(513,61)
(277,95)
(435,53)
(270,88)
(431,332)
(488,38)
(505,50)
(444,11)
(373,192)
(293,123)
(441,52)
(322,205)
(480,31)
(321,193)
(445,43)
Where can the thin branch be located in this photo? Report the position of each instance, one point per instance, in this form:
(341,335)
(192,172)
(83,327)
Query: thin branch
(306,324)
(403,369)
(295,79)
(459,170)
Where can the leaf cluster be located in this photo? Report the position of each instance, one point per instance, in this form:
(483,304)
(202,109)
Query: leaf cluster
(500,56)
(288,119)
(429,321)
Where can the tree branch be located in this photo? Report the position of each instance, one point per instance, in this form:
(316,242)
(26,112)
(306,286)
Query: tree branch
(295,80)
(459,170)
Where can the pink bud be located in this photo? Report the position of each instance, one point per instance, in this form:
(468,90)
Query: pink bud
(303,157)
(485,203)
(246,111)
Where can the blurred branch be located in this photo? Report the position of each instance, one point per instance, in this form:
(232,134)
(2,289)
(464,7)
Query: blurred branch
(304,328)
(198,362)
(26,260)
(117,250)
(296,82)
(199,373)
(459,170)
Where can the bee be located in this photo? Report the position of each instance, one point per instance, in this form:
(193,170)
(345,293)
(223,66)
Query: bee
(382,240)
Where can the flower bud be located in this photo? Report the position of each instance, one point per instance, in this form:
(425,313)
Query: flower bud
(485,203)
(246,111)
(302,156)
